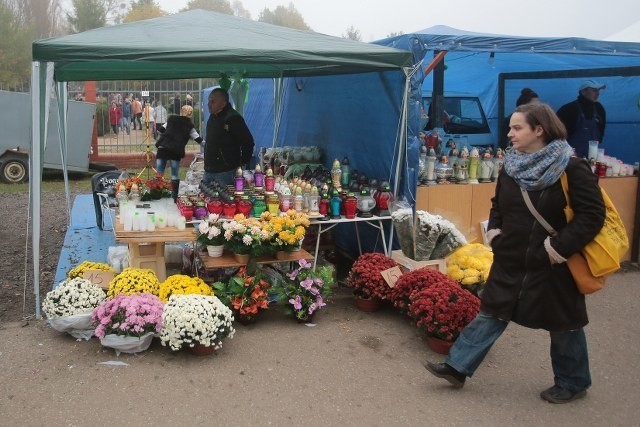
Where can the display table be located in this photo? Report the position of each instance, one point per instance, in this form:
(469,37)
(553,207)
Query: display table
(146,248)
(374,221)
(467,205)
(227,259)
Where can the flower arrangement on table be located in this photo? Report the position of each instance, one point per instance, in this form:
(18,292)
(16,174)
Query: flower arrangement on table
(288,229)
(79,270)
(246,236)
(470,266)
(416,280)
(156,188)
(195,319)
(211,231)
(304,291)
(68,307)
(134,281)
(182,284)
(442,310)
(245,294)
(365,278)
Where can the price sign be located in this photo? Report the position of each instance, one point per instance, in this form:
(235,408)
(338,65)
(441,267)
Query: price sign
(99,277)
(144,93)
(391,276)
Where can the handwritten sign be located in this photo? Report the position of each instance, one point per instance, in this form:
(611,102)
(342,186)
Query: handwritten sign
(391,275)
(99,277)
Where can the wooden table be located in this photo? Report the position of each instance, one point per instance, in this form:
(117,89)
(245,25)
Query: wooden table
(146,248)
(227,259)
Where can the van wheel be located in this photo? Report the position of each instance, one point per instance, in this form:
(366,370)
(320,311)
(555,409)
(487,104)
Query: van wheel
(14,169)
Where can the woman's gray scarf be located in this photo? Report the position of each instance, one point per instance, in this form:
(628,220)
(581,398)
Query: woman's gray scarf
(539,170)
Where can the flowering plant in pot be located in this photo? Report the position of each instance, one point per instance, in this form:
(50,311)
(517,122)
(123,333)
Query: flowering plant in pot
(246,236)
(196,320)
(128,323)
(442,310)
(303,291)
(211,232)
(134,281)
(245,294)
(68,307)
(416,280)
(156,188)
(469,265)
(365,278)
(288,229)
(182,284)
(78,271)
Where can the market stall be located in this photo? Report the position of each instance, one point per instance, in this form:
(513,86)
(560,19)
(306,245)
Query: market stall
(223,46)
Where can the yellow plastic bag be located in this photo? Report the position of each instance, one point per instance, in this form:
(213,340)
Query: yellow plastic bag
(604,252)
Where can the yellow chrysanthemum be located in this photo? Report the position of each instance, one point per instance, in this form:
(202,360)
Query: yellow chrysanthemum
(79,270)
(182,284)
(134,281)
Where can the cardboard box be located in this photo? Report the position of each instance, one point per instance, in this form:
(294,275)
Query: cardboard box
(409,264)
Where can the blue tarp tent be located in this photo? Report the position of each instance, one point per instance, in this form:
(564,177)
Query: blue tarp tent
(359,115)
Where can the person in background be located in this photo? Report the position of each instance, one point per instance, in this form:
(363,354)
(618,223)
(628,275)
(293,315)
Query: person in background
(171,143)
(529,282)
(177,103)
(137,113)
(527,95)
(127,111)
(189,100)
(115,114)
(585,118)
(229,141)
(161,114)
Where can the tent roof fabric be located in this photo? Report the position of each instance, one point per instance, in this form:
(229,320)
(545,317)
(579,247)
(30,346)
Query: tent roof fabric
(200,43)
(441,37)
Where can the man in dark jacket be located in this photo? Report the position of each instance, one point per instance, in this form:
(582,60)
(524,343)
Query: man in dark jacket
(584,118)
(229,141)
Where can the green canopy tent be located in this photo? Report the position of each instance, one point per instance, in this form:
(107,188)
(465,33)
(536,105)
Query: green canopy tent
(186,45)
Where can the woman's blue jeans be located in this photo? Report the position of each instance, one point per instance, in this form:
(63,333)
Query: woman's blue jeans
(569,356)
(161,164)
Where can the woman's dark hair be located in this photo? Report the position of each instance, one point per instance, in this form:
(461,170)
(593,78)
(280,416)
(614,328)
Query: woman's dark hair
(539,114)
(526,95)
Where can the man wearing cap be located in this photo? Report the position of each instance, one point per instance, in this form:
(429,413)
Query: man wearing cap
(584,118)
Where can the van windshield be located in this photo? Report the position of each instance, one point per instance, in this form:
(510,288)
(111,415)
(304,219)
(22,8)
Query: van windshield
(461,115)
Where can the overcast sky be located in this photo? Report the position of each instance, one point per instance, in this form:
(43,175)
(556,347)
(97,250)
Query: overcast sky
(375,19)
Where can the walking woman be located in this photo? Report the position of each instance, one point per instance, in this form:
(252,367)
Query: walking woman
(529,282)
(174,137)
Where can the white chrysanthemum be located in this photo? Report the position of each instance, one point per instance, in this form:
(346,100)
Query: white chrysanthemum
(247,240)
(73,297)
(203,227)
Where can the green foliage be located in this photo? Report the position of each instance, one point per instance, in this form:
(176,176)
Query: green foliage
(15,47)
(285,17)
(86,15)
(221,6)
(102,117)
(143,9)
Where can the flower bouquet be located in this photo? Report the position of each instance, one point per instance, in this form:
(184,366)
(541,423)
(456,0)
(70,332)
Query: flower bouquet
(211,233)
(196,320)
(442,310)
(68,307)
(155,188)
(416,280)
(182,284)
(288,230)
(246,236)
(134,281)
(365,278)
(245,294)
(470,266)
(304,291)
(79,270)
(127,323)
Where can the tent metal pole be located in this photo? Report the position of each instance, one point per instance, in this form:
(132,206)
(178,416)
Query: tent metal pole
(35,170)
(63,100)
(278,91)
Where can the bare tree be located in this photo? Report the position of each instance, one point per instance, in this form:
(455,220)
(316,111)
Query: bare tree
(352,34)
(395,34)
(46,16)
(239,10)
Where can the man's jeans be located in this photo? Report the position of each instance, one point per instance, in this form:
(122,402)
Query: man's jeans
(569,357)
(125,123)
(161,165)
(223,178)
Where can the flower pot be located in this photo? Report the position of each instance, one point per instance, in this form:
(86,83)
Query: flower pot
(125,344)
(283,255)
(309,318)
(241,258)
(215,251)
(438,345)
(243,319)
(201,350)
(368,305)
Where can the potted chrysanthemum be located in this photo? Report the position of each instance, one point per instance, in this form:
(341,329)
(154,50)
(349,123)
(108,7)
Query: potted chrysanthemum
(78,271)
(127,323)
(304,291)
(370,288)
(246,237)
(469,265)
(134,281)
(212,235)
(197,323)
(183,284)
(68,307)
